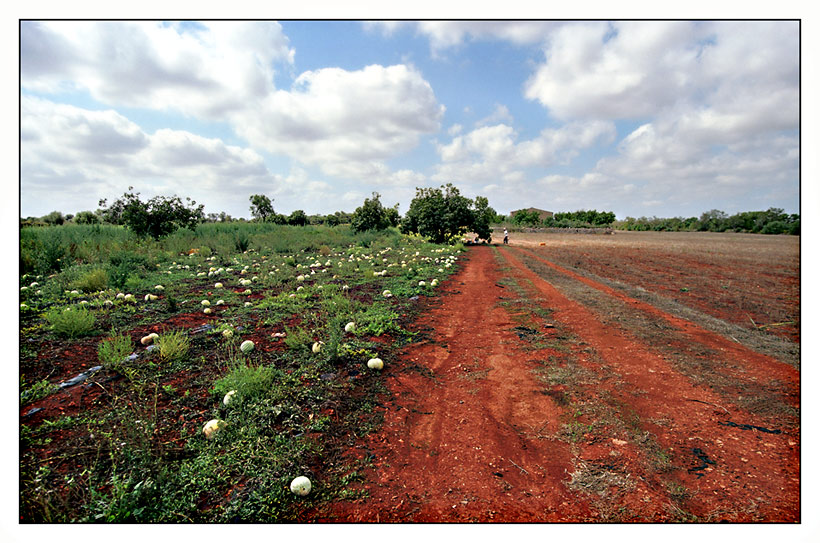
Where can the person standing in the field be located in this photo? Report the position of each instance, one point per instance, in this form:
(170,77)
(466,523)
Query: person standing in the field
(506,238)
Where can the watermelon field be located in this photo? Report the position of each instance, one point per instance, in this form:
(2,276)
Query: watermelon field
(636,377)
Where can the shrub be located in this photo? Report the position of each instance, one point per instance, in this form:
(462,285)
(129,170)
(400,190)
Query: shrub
(71,322)
(123,265)
(173,346)
(93,281)
(775,227)
(86,217)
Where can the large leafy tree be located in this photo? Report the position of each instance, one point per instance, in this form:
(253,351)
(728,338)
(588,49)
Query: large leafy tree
(261,207)
(443,213)
(157,217)
(372,215)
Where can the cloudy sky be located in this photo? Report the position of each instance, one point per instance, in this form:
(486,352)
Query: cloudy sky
(642,118)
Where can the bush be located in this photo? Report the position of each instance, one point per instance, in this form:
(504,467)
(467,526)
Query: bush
(71,323)
(93,281)
(86,217)
(123,265)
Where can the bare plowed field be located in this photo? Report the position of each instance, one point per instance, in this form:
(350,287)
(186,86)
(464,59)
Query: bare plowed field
(596,379)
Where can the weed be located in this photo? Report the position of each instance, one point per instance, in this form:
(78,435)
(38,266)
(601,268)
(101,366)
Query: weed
(298,338)
(173,346)
(93,281)
(376,320)
(37,391)
(113,351)
(70,322)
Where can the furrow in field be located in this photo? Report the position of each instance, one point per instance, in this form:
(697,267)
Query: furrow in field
(729,465)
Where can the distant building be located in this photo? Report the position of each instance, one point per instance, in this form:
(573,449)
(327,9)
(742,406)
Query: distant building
(542,214)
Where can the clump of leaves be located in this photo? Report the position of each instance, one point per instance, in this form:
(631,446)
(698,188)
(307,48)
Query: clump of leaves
(173,346)
(70,322)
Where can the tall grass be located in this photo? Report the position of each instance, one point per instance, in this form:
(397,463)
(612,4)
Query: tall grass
(51,249)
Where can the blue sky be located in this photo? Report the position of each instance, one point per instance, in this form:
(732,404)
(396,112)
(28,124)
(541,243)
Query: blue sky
(642,118)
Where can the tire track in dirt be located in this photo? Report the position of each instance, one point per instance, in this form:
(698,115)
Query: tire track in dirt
(728,473)
(467,437)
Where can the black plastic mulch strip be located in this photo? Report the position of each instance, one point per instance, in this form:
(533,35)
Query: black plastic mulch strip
(705,461)
(749,427)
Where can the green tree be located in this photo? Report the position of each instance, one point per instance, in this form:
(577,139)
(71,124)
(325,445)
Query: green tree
(443,213)
(86,217)
(372,215)
(261,207)
(483,216)
(53,218)
(157,217)
(522,216)
(298,218)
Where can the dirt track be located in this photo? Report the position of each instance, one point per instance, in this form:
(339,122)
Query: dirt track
(527,406)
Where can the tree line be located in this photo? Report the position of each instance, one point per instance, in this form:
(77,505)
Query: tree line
(771,221)
(440,214)
(572,219)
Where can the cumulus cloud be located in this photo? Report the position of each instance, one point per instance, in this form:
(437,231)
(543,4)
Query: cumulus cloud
(720,101)
(345,122)
(99,153)
(205,70)
(491,152)
(634,70)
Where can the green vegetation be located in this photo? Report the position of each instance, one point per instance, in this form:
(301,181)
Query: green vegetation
(136,452)
(70,322)
(157,217)
(114,350)
(173,346)
(372,215)
(443,214)
(573,219)
(771,221)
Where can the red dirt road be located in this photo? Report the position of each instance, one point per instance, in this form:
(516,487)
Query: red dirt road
(569,419)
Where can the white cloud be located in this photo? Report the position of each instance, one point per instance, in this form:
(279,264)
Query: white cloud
(447,34)
(501,114)
(101,153)
(205,71)
(635,70)
(492,152)
(346,122)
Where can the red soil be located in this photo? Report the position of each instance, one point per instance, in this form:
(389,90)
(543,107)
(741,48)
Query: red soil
(472,435)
